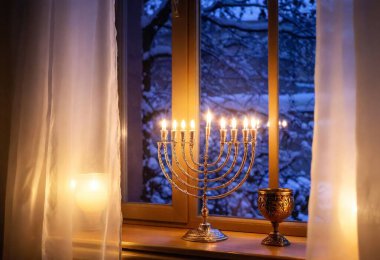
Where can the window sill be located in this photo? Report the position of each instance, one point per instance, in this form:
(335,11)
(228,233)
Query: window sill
(141,242)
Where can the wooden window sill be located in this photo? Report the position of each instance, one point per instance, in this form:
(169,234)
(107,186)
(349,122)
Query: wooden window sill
(143,242)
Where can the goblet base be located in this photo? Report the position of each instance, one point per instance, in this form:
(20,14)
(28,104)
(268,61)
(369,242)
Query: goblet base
(275,239)
(204,234)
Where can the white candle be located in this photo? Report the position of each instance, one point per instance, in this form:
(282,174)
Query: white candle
(245,130)
(192,130)
(233,130)
(183,125)
(223,131)
(164,132)
(222,123)
(208,118)
(174,130)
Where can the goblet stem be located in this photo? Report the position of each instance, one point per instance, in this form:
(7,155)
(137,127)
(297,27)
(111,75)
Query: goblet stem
(275,226)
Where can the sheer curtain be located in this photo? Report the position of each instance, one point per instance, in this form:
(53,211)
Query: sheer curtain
(344,204)
(63,188)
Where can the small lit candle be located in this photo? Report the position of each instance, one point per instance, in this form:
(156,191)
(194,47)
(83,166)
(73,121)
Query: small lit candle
(174,130)
(208,123)
(245,130)
(223,124)
(192,130)
(183,129)
(253,130)
(233,130)
(223,131)
(164,132)
(208,118)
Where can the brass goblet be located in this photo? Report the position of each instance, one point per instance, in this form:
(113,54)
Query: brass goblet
(275,205)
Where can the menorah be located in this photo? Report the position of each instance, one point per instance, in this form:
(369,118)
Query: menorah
(199,172)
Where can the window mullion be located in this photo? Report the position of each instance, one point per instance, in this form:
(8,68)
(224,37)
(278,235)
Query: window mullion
(273,93)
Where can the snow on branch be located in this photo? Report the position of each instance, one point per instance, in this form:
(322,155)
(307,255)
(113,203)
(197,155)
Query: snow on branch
(230,3)
(158,51)
(147,20)
(256,26)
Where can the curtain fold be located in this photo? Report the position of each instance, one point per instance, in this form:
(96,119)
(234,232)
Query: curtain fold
(63,190)
(344,202)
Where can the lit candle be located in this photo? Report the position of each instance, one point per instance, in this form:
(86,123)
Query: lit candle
(90,191)
(183,129)
(233,130)
(208,118)
(174,130)
(254,126)
(223,124)
(164,132)
(208,123)
(223,131)
(245,130)
(192,130)
(192,125)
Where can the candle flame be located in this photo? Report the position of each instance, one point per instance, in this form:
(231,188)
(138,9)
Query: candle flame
(183,124)
(255,123)
(174,125)
(233,123)
(192,124)
(163,124)
(208,117)
(222,123)
(245,123)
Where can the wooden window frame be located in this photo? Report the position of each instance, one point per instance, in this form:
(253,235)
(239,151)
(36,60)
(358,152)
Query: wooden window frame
(183,212)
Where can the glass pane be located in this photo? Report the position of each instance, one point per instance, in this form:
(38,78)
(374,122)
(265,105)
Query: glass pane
(234,83)
(297,58)
(153,51)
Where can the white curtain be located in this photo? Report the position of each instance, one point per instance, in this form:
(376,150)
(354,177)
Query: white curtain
(63,188)
(344,207)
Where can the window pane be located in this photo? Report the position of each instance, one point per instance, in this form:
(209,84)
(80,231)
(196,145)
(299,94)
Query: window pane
(297,58)
(153,64)
(234,83)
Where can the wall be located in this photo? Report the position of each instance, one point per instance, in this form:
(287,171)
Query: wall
(5,104)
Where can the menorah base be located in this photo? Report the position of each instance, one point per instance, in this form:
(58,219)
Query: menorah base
(205,234)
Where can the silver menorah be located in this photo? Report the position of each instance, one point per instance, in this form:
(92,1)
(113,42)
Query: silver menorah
(188,169)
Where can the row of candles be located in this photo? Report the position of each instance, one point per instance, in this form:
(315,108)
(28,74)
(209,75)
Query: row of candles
(246,130)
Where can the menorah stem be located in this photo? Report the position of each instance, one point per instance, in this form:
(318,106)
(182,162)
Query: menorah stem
(205,178)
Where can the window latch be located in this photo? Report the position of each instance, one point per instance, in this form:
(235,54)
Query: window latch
(175,4)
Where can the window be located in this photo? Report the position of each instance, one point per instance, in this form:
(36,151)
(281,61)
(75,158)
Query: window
(187,56)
